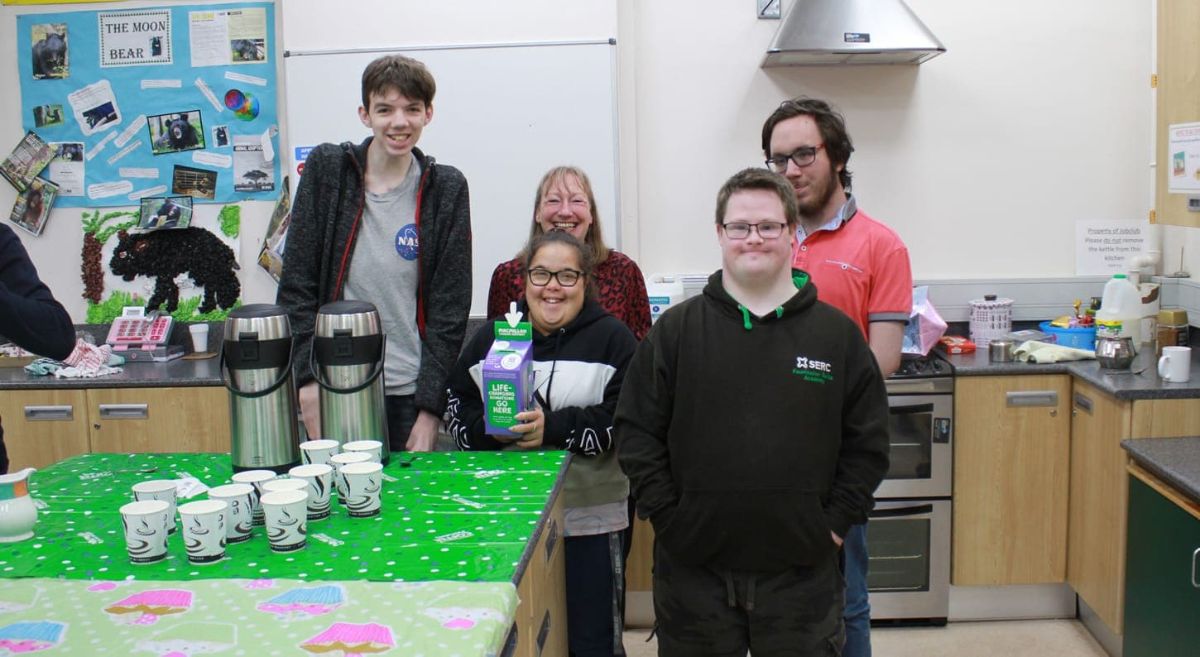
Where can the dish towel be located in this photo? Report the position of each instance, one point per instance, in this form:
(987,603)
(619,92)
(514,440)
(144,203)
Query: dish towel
(1032,351)
(86,361)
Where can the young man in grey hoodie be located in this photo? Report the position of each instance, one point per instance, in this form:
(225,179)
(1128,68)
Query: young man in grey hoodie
(382,222)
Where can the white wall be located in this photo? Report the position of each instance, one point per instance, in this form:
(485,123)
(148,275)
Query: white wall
(982,158)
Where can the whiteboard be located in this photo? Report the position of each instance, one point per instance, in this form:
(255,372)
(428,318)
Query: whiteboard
(503,114)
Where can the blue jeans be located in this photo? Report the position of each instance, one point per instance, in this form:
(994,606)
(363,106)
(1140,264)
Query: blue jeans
(858,608)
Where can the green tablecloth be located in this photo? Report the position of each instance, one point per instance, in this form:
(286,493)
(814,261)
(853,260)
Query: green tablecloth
(434,574)
(446,516)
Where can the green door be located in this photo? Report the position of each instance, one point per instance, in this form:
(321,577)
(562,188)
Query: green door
(1162,599)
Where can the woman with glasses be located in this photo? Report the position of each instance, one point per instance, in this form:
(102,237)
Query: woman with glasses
(580,353)
(565,202)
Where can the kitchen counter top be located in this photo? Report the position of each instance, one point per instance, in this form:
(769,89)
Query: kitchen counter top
(1121,384)
(1174,460)
(174,373)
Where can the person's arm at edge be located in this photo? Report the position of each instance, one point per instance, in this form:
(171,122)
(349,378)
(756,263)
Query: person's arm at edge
(637,301)
(30,316)
(299,282)
(885,340)
(502,291)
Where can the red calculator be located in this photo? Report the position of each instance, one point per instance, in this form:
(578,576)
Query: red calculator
(136,330)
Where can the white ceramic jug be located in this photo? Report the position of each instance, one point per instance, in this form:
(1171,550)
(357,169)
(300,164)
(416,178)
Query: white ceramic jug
(17,511)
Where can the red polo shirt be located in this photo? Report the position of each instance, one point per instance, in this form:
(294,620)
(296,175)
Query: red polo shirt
(861,267)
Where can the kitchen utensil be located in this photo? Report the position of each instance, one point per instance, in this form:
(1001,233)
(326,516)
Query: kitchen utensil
(1000,351)
(347,359)
(1115,353)
(256,363)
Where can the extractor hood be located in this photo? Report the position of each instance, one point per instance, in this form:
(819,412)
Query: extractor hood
(840,32)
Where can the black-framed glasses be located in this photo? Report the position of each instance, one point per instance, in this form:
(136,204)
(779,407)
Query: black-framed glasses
(801,157)
(740,230)
(566,277)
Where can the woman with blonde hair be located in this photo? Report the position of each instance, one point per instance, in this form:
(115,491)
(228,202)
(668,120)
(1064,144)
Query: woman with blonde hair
(565,202)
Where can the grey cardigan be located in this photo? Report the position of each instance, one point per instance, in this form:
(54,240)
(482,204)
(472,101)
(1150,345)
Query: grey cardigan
(320,243)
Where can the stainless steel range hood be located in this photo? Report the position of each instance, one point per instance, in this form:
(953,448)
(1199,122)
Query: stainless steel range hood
(840,32)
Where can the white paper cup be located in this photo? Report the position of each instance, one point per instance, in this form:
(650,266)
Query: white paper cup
(338,462)
(255,478)
(240,515)
(364,483)
(318,451)
(199,337)
(158,489)
(204,530)
(287,519)
(372,447)
(320,479)
(145,524)
(1175,364)
(289,483)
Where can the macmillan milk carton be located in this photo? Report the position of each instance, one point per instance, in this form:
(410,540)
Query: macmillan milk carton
(508,377)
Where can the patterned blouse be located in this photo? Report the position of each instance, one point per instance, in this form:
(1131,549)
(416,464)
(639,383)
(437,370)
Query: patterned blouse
(621,287)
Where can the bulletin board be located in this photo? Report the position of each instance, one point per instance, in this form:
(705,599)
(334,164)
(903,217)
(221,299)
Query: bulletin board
(154,101)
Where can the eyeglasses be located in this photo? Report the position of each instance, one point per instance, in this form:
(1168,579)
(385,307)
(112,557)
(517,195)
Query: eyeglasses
(565,277)
(802,157)
(768,230)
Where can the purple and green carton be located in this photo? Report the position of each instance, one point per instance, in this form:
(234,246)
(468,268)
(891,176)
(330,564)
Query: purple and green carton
(508,377)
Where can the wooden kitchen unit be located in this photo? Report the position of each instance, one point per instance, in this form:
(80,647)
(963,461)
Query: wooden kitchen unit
(1011,462)
(45,425)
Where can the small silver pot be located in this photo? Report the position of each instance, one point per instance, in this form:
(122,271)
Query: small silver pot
(1115,353)
(1001,351)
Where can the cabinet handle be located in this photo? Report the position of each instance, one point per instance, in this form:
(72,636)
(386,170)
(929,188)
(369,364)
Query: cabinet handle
(1195,554)
(46,413)
(1083,403)
(1032,398)
(124,411)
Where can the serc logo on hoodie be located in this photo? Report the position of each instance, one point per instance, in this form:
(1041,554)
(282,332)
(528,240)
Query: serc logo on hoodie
(813,370)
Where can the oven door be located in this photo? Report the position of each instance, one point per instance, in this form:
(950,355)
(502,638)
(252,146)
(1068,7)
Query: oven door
(909,546)
(920,431)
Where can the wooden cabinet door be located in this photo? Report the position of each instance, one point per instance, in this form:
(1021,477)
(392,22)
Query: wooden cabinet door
(43,426)
(194,419)
(1096,557)
(1011,452)
(1162,592)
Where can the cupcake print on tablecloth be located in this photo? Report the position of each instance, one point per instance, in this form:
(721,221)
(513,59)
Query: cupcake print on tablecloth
(305,601)
(30,636)
(191,639)
(352,639)
(146,607)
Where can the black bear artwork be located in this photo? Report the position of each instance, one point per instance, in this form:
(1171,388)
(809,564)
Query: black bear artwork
(165,254)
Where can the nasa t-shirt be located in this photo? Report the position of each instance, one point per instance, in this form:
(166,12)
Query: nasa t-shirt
(384,271)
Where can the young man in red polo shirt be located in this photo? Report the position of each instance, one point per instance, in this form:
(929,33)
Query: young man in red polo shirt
(858,265)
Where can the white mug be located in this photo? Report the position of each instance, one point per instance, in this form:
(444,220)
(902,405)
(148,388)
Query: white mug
(287,519)
(318,451)
(255,478)
(204,530)
(1175,364)
(372,447)
(364,483)
(320,478)
(239,517)
(158,489)
(145,524)
(338,462)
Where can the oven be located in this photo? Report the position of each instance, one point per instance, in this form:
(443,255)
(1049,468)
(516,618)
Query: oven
(908,532)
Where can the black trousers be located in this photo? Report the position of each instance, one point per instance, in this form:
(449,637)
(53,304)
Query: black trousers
(595,595)
(703,612)
(401,416)
(3,453)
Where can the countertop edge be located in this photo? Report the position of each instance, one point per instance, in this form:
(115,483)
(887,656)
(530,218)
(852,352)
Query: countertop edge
(1149,453)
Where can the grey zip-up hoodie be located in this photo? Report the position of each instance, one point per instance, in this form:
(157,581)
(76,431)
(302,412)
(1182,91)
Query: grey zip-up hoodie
(320,243)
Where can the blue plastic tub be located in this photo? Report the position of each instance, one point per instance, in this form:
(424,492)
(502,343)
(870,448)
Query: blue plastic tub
(1083,337)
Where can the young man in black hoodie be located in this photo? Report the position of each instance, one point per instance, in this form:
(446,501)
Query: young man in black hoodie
(382,222)
(753,427)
